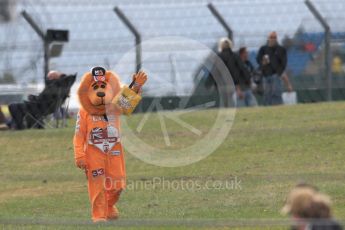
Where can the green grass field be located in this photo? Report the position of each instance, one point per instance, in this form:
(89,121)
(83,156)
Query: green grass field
(267,151)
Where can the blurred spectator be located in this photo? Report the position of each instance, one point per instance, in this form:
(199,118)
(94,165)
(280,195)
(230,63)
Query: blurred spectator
(30,113)
(248,71)
(309,209)
(237,70)
(245,59)
(54,75)
(337,65)
(272,59)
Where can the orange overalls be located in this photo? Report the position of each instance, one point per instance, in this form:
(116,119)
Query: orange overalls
(97,140)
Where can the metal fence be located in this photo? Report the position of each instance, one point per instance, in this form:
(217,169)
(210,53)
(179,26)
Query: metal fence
(103,32)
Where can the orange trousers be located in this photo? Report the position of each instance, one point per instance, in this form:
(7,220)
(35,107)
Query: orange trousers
(104,184)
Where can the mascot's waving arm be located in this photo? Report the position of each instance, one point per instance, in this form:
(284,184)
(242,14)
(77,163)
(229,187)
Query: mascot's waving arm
(129,97)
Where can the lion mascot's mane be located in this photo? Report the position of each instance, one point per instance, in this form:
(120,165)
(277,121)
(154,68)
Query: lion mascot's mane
(111,78)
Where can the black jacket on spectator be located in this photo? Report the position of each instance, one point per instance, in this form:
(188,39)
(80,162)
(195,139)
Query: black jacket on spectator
(249,66)
(277,60)
(241,76)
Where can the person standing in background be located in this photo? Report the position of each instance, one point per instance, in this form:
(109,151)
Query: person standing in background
(238,72)
(248,71)
(272,59)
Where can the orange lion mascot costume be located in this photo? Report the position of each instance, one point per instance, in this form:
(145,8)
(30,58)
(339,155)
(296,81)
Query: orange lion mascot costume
(97,141)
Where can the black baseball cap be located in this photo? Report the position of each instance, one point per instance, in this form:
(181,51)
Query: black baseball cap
(98,73)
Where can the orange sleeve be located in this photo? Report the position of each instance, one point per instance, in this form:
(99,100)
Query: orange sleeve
(80,135)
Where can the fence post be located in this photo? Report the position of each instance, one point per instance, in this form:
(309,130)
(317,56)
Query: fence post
(135,32)
(327,28)
(46,43)
(220,19)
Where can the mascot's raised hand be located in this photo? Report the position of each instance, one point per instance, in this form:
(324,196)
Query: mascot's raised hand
(138,81)
(130,97)
(97,140)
